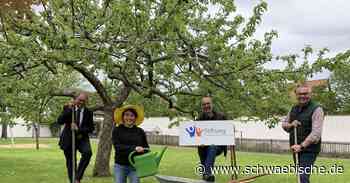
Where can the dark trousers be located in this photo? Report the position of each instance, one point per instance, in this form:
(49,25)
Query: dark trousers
(207,155)
(306,161)
(84,147)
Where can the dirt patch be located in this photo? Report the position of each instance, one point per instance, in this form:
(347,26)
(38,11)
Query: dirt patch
(24,146)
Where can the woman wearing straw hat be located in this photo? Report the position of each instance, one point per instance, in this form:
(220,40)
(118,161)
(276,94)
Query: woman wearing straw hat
(127,137)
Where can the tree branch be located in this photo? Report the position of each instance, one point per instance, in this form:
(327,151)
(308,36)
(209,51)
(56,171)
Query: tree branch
(123,95)
(64,93)
(167,57)
(3,27)
(100,51)
(186,93)
(95,82)
(73,16)
(107,2)
(170,102)
(48,17)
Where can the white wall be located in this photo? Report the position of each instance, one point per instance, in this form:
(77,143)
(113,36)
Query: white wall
(22,131)
(161,123)
(335,129)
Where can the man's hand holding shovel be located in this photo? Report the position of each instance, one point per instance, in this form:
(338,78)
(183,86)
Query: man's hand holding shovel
(74,126)
(296,147)
(294,124)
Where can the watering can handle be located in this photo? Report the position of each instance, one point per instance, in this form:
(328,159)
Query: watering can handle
(130,158)
(131,161)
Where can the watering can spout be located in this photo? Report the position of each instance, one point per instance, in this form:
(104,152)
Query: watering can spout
(160,155)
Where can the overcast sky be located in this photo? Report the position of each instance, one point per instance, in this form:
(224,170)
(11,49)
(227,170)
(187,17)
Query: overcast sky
(319,23)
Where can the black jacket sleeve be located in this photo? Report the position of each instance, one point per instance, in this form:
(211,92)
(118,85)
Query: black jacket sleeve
(65,117)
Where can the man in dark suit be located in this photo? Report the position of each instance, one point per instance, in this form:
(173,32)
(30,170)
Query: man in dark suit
(83,126)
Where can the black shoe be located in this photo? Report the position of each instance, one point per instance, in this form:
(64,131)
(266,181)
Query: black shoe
(209,178)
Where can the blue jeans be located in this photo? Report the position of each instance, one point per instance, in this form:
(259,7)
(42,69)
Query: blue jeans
(121,172)
(207,155)
(306,161)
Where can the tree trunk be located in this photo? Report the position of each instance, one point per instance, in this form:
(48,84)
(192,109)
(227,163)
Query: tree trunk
(103,155)
(4,131)
(37,134)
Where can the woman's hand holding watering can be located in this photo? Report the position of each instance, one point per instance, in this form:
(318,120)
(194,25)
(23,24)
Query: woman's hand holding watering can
(139,149)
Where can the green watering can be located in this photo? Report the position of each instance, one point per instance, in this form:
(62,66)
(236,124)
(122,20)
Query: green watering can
(146,164)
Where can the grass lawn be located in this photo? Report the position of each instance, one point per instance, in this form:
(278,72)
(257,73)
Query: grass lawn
(47,165)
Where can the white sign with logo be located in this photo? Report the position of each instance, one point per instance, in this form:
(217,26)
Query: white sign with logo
(195,133)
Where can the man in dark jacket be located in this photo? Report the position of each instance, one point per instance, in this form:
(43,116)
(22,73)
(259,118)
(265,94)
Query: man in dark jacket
(207,154)
(83,126)
(307,118)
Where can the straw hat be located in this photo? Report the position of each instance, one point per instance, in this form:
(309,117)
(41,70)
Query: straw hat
(118,114)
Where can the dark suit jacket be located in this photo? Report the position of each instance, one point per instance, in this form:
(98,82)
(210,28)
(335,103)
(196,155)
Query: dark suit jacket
(87,126)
